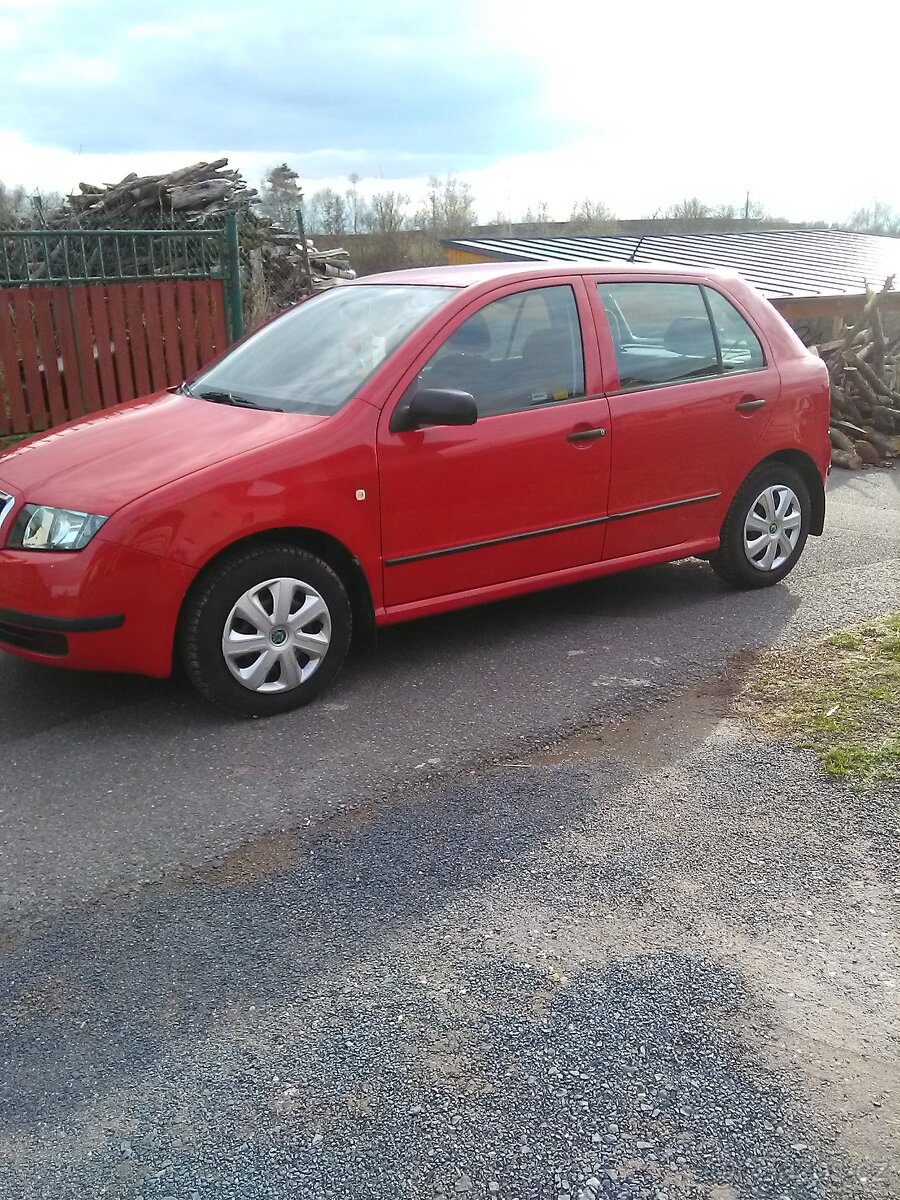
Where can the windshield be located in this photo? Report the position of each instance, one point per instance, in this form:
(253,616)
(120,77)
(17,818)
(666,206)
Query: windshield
(315,357)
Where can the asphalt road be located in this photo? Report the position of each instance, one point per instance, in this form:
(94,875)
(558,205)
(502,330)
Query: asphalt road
(415,942)
(107,782)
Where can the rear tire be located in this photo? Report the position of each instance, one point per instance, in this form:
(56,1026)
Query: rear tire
(266,630)
(766,528)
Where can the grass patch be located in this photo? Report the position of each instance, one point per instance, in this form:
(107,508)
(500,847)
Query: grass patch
(838,696)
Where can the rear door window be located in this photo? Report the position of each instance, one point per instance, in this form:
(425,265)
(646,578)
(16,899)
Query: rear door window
(661,333)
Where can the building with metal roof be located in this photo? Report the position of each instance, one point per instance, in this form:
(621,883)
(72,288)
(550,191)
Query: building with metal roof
(816,277)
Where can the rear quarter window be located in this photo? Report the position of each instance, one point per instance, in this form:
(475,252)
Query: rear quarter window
(741,349)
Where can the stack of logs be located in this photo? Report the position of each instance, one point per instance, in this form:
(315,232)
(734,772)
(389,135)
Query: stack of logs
(201,191)
(864,370)
(201,195)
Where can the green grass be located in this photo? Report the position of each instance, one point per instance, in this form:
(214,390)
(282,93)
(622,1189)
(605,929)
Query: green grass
(839,696)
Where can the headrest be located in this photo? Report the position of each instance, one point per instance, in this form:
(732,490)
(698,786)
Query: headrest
(690,335)
(472,337)
(553,345)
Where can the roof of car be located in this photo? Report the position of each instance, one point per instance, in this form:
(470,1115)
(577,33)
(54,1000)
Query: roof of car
(471,274)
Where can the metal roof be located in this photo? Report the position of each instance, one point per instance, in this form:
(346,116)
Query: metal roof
(779,262)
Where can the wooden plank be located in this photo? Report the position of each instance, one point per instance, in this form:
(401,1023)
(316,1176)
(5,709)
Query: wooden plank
(217,307)
(48,354)
(60,304)
(204,321)
(85,347)
(121,352)
(31,358)
(184,294)
(103,338)
(13,413)
(153,326)
(137,338)
(171,336)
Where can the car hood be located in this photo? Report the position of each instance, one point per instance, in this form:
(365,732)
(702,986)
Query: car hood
(101,462)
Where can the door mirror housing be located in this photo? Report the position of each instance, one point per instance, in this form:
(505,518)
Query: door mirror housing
(436,406)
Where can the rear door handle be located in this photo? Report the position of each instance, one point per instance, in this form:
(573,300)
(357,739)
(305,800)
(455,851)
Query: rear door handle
(749,403)
(585,435)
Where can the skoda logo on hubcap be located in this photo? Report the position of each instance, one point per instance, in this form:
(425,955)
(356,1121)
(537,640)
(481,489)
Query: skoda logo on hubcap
(773,528)
(278,637)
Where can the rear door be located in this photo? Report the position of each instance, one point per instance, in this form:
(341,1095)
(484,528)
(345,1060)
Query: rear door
(520,493)
(692,387)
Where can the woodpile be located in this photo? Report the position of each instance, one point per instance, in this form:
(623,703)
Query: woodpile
(277,266)
(864,370)
(199,192)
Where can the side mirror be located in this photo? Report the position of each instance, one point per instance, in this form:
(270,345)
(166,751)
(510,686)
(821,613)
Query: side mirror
(435,406)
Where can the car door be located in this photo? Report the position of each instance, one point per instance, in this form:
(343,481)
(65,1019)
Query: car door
(692,388)
(520,493)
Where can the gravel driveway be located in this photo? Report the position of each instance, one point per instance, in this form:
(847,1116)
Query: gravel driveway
(654,958)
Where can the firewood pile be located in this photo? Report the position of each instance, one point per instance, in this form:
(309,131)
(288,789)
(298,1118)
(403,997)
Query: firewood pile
(199,192)
(864,369)
(277,269)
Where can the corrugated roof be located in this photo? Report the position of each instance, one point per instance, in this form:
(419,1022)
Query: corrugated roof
(779,262)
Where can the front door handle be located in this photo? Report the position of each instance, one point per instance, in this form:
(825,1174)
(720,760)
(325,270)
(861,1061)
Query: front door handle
(749,404)
(586,435)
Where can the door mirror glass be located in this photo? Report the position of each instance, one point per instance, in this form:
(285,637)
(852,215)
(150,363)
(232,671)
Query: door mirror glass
(436,406)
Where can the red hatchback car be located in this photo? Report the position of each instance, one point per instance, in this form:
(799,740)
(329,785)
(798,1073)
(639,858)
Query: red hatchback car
(407,444)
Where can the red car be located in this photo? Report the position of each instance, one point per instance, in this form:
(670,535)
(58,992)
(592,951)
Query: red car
(407,444)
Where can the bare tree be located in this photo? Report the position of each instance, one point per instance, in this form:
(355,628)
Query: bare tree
(387,213)
(590,216)
(356,206)
(14,206)
(880,218)
(688,210)
(327,213)
(449,208)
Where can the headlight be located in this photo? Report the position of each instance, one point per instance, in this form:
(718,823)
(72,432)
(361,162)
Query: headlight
(41,528)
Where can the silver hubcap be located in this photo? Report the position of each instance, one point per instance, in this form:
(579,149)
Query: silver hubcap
(772,528)
(277,635)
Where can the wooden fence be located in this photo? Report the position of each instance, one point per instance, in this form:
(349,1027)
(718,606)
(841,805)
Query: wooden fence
(66,351)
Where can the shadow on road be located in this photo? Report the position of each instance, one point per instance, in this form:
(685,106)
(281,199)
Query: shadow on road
(460,647)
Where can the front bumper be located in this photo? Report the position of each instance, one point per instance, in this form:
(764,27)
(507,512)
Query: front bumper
(104,608)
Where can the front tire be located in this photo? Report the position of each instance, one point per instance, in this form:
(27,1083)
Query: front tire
(266,630)
(766,528)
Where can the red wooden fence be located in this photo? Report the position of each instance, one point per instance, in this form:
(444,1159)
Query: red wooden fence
(70,350)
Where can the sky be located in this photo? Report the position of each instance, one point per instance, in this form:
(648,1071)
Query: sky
(637,104)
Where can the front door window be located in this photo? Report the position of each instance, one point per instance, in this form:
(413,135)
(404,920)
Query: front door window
(516,353)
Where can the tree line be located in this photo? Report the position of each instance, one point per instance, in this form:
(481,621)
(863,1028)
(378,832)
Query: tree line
(448,210)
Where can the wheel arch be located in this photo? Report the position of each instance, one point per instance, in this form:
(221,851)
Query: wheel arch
(333,552)
(806,467)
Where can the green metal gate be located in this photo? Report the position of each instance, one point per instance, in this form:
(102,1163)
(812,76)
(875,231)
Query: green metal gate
(90,319)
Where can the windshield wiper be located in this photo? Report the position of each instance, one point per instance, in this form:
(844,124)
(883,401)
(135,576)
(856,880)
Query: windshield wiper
(233,399)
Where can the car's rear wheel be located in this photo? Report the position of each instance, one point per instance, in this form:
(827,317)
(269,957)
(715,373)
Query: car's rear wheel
(266,630)
(766,528)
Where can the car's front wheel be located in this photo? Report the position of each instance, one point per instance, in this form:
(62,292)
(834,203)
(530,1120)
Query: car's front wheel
(766,528)
(266,630)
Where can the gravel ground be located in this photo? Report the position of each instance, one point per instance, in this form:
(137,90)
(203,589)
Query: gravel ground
(653,960)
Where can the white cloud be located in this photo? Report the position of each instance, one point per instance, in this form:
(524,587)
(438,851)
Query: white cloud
(662,101)
(70,68)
